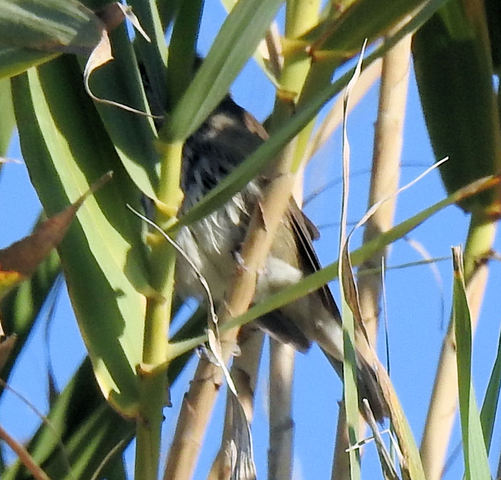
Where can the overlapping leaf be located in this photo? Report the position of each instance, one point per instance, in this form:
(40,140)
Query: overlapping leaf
(102,256)
(34,31)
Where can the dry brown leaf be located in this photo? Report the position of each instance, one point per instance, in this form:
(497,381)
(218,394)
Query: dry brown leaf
(6,347)
(20,260)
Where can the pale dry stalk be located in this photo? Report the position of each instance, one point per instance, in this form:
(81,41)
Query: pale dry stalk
(244,370)
(384,181)
(333,120)
(281,426)
(385,173)
(199,401)
(280,459)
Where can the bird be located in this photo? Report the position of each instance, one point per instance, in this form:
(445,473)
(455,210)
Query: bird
(224,140)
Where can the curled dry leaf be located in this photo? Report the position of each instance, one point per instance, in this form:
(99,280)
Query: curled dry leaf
(112,15)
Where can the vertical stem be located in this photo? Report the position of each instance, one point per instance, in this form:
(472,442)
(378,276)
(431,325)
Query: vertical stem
(281,424)
(198,402)
(385,173)
(170,179)
(153,387)
(384,180)
(193,418)
(300,15)
(341,461)
(244,371)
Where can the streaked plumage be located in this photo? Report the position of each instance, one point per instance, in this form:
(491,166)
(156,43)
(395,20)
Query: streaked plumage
(225,139)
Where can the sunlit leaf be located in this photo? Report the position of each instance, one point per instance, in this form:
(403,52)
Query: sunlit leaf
(34,31)
(102,254)
(475,454)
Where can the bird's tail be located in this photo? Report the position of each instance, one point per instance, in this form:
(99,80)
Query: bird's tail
(368,387)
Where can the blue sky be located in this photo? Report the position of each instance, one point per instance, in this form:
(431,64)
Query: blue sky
(417,307)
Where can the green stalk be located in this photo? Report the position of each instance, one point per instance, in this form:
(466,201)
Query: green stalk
(301,16)
(153,382)
(170,193)
(479,242)
(153,385)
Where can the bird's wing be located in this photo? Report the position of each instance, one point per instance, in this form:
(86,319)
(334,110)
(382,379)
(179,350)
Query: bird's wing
(305,232)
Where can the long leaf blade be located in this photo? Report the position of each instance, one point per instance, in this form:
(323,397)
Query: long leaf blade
(475,454)
(34,31)
(235,43)
(101,255)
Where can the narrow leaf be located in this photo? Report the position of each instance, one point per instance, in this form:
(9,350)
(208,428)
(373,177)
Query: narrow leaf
(34,31)
(475,454)
(79,432)
(452,60)
(235,43)
(102,254)
(489,407)
(133,135)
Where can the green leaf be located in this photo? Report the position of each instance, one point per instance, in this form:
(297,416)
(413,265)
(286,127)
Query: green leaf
(475,454)
(133,135)
(453,61)
(8,120)
(351,404)
(182,48)
(235,43)
(34,31)
(489,407)
(345,32)
(153,54)
(49,25)
(66,149)
(81,430)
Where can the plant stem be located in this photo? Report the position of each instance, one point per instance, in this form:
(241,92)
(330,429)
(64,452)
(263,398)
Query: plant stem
(170,179)
(384,180)
(244,371)
(24,456)
(153,384)
(281,428)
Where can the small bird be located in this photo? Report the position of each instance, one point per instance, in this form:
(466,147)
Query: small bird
(228,136)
